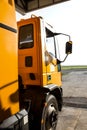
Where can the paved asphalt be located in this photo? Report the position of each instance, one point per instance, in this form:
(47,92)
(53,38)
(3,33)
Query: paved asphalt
(74,113)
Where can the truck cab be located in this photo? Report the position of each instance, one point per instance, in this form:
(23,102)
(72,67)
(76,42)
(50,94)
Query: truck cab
(40,71)
(37,53)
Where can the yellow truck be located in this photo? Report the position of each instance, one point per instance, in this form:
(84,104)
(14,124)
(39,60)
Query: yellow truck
(39,71)
(30,72)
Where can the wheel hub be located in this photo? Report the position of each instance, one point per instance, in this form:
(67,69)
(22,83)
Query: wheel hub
(52,116)
(53,119)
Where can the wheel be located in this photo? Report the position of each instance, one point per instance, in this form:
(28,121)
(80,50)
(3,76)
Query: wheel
(50,114)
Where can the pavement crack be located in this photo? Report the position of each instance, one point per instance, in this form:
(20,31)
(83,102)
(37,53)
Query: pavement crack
(76,121)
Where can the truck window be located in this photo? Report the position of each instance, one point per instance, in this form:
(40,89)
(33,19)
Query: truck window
(26,36)
(50,46)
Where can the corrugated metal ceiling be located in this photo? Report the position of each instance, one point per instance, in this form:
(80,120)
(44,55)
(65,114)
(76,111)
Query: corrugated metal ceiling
(24,6)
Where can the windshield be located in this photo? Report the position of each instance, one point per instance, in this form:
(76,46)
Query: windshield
(26,36)
(50,45)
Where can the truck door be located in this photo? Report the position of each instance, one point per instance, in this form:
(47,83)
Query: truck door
(28,52)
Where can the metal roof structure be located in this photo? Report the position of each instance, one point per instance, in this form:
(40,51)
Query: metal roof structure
(25,6)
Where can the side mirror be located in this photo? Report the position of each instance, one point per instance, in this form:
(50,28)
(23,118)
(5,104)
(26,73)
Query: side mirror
(69,47)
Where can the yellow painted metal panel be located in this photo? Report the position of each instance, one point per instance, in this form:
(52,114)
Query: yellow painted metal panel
(9,101)
(7,13)
(8,57)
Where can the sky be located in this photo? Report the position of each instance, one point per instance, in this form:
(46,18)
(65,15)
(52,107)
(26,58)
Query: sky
(70,18)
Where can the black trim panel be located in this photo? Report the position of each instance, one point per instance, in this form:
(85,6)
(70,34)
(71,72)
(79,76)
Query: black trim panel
(8,28)
(9,84)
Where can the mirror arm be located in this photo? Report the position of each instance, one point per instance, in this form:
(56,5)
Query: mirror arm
(69,41)
(64,58)
(63,34)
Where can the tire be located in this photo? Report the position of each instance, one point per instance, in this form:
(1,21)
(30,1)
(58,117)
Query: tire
(50,114)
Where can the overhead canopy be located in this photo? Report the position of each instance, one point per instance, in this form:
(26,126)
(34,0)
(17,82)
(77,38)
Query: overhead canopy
(24,6)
